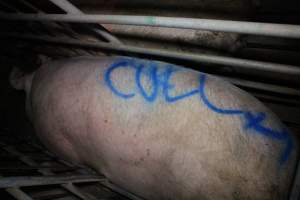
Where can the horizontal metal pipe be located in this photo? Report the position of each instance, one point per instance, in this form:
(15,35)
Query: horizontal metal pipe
(290,115)
(14,167)
(44,25)
(19,181)
(254,66)
(256,28)
(263,86)
(64,26)
(265,98)
(70,8)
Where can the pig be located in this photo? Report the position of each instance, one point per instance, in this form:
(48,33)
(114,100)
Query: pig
(159,130)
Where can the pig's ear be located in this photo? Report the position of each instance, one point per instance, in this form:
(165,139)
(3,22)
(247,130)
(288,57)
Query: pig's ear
(17,78)
(43,59)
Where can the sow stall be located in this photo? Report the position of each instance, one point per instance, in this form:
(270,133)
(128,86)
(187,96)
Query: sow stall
(253,44)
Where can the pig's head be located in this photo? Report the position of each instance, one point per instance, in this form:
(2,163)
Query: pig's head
(21,80)
(22,73)
(21,77)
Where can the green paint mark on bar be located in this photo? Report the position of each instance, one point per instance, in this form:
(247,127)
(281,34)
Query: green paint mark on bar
(151,20)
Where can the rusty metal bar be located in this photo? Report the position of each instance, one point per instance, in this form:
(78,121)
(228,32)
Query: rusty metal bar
(243,27)
(254,66)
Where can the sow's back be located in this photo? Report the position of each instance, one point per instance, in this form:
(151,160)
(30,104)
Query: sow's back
(159,130)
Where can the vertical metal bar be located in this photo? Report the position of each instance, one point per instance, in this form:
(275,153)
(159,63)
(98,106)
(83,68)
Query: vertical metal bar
(70,8)
(295,193)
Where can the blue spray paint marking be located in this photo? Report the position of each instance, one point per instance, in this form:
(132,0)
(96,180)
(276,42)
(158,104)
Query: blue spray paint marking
(109,82)
(153,77)
(167,87)
(162,82)
(252,122)
(158,82)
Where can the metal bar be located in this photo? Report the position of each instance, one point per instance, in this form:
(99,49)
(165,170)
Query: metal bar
(19,11)
(24,181)
(267,98)
(73,189)
(66,28)
(68,164)
(69,187)
(69,31)
(36,168)
(263,86)
(66,6)
(256,28)
(119,190)
(18,194)
(70,8)
(295,193)
(32,7)
(254,66)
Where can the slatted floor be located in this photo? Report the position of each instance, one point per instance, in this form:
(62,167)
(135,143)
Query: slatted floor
(28,172)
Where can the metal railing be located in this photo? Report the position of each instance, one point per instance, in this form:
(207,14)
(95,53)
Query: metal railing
(113,44)
(49,175)
(255,28)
